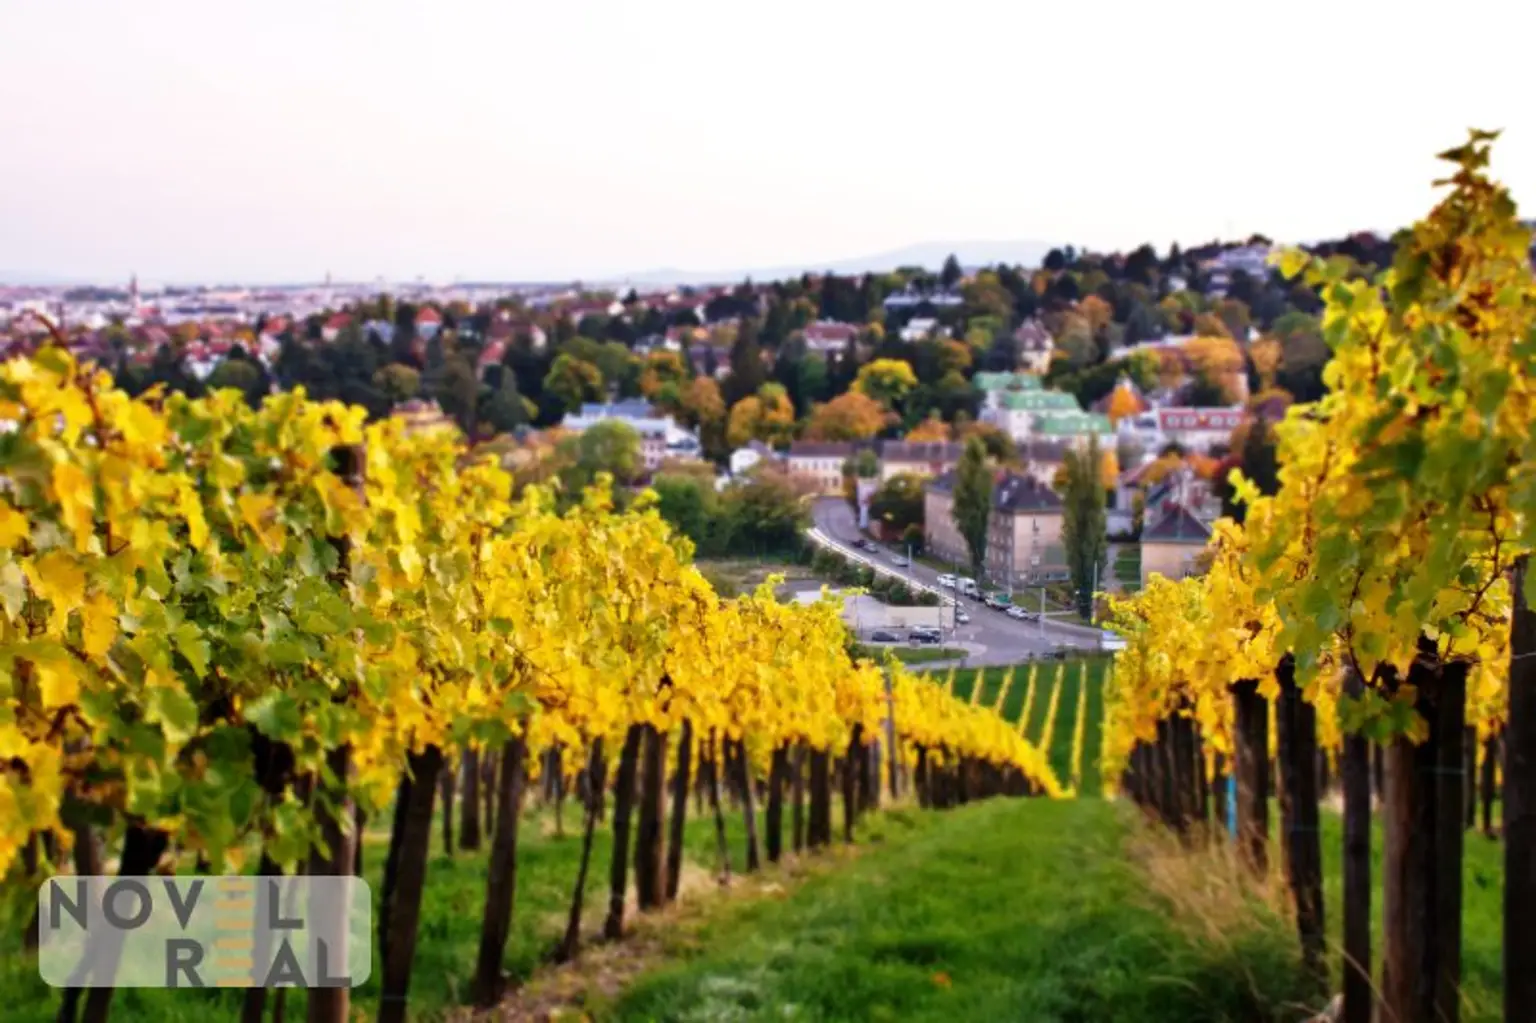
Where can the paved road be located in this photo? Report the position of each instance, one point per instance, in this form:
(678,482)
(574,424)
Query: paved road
(1006,640)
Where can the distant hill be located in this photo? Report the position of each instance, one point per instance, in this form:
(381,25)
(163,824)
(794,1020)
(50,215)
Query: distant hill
(926,254)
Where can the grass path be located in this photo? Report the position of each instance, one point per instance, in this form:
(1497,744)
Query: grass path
(1007,910)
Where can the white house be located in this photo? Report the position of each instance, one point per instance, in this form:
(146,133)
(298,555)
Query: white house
(820,464)
(743,460)
(919,328)
(660,436)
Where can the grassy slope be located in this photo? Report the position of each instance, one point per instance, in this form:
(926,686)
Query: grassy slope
(1008,910)
(1067,675)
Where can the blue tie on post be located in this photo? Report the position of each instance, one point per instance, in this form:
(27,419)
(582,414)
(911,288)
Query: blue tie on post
(1232,805)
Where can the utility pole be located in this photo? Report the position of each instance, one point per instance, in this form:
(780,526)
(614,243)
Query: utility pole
(1042,612)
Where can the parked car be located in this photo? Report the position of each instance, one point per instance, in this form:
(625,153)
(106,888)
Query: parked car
(1058,654)
(1016,612)
(1111,640)
(947,581)
(924,636)
(884,636)
(961,618)
(899,561)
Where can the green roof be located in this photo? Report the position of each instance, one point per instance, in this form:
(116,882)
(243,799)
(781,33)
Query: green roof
(1039,401)
(1006,382)
(1072,424)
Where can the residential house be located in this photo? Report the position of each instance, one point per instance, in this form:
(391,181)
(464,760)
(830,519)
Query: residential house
(911,298)
(744,459)
(1199,429)
(428,322)
(819,464)
(920,328)
(1172,538)
(332,328)
(660,436)
(829,338)
(1034,345)
(918,459)
(1023,529)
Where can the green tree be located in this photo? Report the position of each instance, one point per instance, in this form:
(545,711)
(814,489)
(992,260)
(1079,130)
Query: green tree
(609,446)
(574,381)
(689,502)
(504,409)
(765,512)
(950,275)
(397,382)
(898,504)
(973,500)
(242,374)
(1082,522)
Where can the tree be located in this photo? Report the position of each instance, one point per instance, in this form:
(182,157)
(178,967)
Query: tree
(244,375)
(929,431)
(767,510)
(574,381)
(704,409)
(503,409)
(609,446)
(1083,522)
(397,382)
(457,391)
(972,508)
(747,372)
(951,273)
(662,369)
(887,381)
(849,416)
(1254,443)
(898,504)
(692,506)
(766,416)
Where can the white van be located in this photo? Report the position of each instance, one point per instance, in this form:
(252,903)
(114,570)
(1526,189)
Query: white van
(968,587)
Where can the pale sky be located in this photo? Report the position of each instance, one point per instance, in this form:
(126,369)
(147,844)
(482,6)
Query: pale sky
(262,140)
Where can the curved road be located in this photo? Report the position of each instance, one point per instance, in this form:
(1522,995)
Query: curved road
(1006,640)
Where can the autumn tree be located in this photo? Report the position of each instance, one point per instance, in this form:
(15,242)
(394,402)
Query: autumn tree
(662,378)
(850,416)
(887,381)
(930,431)
(766,416)
(972,504)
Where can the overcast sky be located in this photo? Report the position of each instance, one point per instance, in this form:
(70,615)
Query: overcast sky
(502,139)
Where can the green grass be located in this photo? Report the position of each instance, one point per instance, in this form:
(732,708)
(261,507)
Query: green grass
(1482,914)
(449,935)
(1068,675)
(1008,910)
